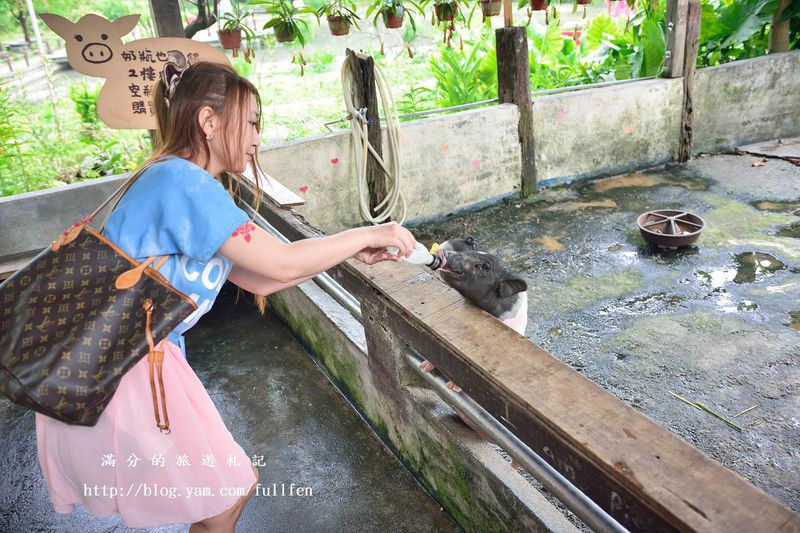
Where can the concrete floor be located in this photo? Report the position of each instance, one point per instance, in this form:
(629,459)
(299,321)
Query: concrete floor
(276,403)
(717,323)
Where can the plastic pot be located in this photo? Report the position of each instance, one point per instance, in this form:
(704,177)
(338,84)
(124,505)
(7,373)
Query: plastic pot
(230,39)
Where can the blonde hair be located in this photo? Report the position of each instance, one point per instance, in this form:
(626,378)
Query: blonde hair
(179,132)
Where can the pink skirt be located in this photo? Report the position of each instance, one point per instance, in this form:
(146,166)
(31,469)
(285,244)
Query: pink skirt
(125,466)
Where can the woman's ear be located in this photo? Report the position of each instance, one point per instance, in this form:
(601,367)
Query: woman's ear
(207,119)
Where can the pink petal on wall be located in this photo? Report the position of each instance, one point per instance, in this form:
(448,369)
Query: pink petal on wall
(476,163)
(561,114)
(444,148)
(304,188)
(334,160)
(628,129)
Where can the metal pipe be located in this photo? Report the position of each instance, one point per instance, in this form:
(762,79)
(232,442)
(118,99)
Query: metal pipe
(550,478)
(575,500)
(573,88)
(323,279)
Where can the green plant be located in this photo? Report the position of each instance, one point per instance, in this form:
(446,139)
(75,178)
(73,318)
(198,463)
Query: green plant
(465,77)
(397,8)
(241,66)
(730,31)
(416,99)
(85,99)
(321,61)
(236,20)
(345,9)
(286,18)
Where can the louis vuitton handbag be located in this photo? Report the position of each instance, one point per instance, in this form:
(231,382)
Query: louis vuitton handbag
(80,315)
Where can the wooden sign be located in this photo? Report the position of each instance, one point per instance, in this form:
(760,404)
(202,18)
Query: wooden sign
(131,70)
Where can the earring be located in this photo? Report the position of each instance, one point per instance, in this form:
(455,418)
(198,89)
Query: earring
(209,136)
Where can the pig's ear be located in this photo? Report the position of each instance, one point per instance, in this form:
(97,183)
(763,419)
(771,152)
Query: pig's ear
(60,25)
(511,286)
(124,25)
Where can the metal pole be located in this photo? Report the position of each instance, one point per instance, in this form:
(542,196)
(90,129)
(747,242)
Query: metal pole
(549,477)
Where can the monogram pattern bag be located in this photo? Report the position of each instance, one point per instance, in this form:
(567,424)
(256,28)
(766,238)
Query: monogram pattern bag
(80,315)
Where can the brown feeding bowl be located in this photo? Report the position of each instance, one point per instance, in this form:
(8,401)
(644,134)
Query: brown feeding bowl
(670,228)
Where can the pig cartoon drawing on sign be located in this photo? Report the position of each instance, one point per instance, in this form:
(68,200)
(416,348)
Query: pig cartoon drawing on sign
(131,70)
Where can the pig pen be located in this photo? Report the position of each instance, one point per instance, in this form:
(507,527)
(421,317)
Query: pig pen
(717,322)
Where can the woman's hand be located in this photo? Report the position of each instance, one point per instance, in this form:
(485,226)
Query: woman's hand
(371,256)
(382,236)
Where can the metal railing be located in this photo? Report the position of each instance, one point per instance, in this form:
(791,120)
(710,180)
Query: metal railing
(575,500)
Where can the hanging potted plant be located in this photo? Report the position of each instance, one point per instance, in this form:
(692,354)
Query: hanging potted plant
(393,12)
(230,36)
(491,8)
(445,10)
(341,15)
(537,5)
(448,11)
(286,22)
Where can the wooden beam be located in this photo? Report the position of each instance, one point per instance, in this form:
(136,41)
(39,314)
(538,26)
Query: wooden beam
(689,62)
(365,95)
(508,13)
(677,17)
(514,86)
(643,475)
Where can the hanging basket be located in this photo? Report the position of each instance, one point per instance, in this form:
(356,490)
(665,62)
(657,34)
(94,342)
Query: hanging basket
(230,39)
(338,25)
(394,20)
(284,35)
(491,8)
(446,10)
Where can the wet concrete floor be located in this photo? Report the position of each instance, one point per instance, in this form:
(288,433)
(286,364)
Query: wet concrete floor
(277,404)
(716,323)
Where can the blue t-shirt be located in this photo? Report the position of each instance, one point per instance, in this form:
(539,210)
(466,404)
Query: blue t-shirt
(175,207)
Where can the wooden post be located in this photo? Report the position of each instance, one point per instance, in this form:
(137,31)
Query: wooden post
(366,96)
(166,16)
(508,13)
(677,11)
(514,86)
(689,61)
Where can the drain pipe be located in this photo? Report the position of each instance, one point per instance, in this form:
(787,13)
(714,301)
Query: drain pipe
(576,501)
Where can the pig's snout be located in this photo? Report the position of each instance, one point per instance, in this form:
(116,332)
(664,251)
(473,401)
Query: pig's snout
(452,261)
(96,53)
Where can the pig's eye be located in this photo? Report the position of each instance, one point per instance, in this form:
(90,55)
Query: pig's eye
(485,267)
(104,36)
(78,38)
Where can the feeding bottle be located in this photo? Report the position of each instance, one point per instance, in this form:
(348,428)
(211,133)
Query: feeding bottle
(420,256)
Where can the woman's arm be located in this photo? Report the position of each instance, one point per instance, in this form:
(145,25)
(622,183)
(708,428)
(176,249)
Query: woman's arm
(254,249)
(258,284)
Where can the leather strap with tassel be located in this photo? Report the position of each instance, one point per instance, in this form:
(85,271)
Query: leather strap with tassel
(155,357)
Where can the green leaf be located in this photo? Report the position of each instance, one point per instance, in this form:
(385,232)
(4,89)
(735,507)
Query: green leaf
(653,45)
(792,10)
(601,28)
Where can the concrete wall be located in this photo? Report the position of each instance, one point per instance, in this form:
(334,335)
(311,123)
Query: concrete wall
(467,475)
(747,101)
(31,221)
(447,162)
(606,130)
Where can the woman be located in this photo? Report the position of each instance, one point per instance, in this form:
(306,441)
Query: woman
(208,123)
